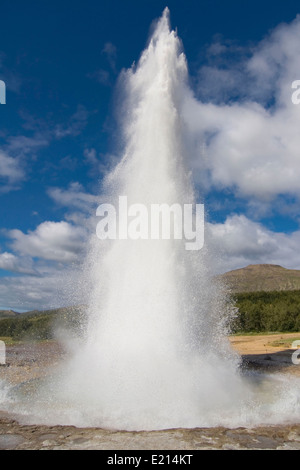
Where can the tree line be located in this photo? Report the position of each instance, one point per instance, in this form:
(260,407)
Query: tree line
(267,311)
(256,312)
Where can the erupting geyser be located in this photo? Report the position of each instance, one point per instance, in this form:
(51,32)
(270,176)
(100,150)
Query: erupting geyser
(155,353)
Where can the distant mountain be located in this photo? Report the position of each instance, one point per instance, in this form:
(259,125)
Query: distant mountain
(262,277)
(8,314)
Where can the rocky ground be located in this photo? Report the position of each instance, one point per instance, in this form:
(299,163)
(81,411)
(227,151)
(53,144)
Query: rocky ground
(21,437)
(29,361)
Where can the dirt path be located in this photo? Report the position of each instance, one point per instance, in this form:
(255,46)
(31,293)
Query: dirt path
(263,344)
(272,352)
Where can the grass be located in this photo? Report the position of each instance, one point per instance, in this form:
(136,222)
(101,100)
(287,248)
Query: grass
(8,340)
(284,342)
(260,333)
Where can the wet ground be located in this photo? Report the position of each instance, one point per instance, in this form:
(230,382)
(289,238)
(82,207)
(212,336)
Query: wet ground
(32,361)
(16,436)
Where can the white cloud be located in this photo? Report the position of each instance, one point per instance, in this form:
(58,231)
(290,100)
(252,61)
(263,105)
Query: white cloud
(21,144)
(29,293)
(239,241)
(252,145)
(74,196)
(19,150)
(233,244)
(13,159)
(51,256)
(56,241)
(90,156)
(275,63)
(246,130)
(11,172)
(10,262)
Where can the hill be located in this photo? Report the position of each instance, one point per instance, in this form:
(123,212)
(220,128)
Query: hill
(8,314)
(262,277)
(38,325)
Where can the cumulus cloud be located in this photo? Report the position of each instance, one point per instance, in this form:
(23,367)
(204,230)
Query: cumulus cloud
(56,241)
(21,144)
(250,150)
(251,143)
(48,262)
(239,241)
(13,157)
(74,196)
(246,131)
(80,206)
(12,263)
(28,292)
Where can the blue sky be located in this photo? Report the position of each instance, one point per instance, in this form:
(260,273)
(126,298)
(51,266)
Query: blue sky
(58,135)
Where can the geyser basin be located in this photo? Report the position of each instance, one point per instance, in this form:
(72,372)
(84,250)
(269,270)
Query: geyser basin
(154,352)
(256,399)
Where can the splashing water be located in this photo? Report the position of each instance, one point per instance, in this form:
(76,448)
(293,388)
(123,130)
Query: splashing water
(154,317)
(155,353)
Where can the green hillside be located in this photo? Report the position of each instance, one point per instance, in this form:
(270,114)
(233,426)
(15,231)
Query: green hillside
(266,297)
(40,325)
